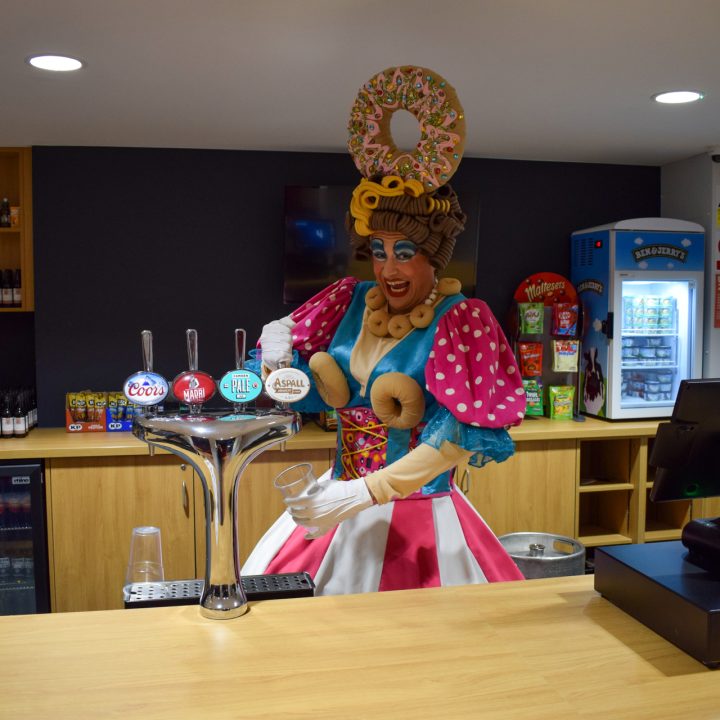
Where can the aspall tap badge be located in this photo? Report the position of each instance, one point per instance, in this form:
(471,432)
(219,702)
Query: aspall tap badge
(146,388)
(193,387)
(287,385)
(240,386)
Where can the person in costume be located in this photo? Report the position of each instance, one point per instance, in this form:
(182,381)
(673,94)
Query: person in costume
(423,379)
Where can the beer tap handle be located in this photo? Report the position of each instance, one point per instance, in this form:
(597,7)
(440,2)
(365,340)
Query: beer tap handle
(239,361)
(239,349)
(146,389)
(147,350)
(282,405)
(147,355)
(192,350)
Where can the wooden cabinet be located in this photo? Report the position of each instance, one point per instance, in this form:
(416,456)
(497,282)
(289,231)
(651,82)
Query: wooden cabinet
(590,481)
(614,505)
(532,491)
(16,250)
(93,505)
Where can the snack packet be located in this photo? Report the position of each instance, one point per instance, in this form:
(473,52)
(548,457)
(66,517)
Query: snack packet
(531,358)
(564,319)
(561,399)
(531,318)
(534,396)
(565,355)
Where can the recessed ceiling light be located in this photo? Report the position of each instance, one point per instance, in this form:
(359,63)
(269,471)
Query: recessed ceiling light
(56,63)
(678,96)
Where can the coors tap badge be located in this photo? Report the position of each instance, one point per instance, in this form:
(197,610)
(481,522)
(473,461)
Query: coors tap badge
(146,387)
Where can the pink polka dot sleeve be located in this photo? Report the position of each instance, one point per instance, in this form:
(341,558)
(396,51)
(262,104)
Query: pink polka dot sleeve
(472,370)
(318,318)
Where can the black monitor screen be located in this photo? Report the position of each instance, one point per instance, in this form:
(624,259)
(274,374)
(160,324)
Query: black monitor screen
(686,450)
(317,246)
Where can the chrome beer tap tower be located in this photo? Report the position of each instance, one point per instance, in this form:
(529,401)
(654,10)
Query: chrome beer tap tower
(219,445)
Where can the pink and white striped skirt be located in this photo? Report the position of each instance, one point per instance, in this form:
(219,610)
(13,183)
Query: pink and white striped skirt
(421,541)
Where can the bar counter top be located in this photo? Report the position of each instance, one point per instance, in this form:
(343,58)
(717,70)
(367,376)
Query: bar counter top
(57,442)
(549,649)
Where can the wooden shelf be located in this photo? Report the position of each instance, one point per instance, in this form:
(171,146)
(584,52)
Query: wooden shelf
(593,536)
(656,533)
(16,245)
(604,486)
(57,442)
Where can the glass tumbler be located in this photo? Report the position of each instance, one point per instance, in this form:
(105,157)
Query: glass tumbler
(146,563)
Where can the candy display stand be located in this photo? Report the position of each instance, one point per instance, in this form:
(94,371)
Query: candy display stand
(548,289)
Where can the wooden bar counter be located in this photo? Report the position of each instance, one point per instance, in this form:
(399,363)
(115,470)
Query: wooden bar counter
(57,442)
(533,650)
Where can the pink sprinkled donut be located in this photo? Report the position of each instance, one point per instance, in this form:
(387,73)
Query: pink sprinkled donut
(435,105)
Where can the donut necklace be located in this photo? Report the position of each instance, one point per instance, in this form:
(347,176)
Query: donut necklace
(382,324)
(435,105)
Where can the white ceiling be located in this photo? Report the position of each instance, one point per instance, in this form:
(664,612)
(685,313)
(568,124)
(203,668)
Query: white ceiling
(564,80)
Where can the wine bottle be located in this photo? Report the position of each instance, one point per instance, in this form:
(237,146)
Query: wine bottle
(20,424)
(16,289)
(5,221)
(6,418)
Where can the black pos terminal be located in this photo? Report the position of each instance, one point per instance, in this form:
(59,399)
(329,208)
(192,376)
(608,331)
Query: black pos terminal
(674,587)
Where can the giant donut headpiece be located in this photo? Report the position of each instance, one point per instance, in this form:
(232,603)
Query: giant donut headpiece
(407,192)
(435,105)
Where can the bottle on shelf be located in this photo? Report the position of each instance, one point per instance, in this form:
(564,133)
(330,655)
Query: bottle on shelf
(5,218)
(20,419)
(16,289)
(6,418)
(6,292)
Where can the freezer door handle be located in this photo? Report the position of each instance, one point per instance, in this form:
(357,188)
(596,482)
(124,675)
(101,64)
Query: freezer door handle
(608,326)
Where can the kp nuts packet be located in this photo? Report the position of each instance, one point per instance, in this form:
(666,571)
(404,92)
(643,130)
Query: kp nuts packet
(531,318)
(565,355)
(85,411)
(561,399)
(86,406)
(91,411)
(564,319)
(530,357)
(534,396)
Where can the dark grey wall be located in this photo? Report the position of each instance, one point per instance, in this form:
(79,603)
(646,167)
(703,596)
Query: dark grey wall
(17,349)
(127,239)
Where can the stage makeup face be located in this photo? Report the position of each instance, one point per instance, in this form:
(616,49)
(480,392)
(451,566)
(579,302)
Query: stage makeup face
(403,273)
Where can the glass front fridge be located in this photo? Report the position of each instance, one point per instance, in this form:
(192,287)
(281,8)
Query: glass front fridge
(641,286)
(23,540)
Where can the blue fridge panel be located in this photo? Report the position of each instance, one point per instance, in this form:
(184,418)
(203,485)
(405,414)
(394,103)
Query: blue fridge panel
(640,284)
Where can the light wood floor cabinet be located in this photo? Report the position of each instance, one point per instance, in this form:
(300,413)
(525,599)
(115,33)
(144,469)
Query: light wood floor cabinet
(587,480)
(95,502)
(590,481)
(93,505)
(532,491)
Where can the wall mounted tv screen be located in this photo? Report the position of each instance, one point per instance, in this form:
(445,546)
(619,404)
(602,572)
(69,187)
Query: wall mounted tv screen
(317,247)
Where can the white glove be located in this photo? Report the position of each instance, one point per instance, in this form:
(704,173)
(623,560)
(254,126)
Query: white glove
(335,501)
(276,342)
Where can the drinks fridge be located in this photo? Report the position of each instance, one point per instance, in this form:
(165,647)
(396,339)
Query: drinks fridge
(23,541)
(641,286)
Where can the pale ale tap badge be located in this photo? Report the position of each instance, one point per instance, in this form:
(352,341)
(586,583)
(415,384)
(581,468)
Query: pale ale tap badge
(193,387)
(240,386)
(145,387)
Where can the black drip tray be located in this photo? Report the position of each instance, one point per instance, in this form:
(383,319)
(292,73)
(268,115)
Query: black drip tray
(188,592)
